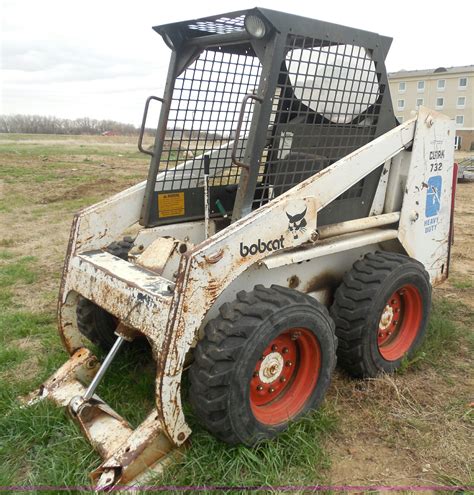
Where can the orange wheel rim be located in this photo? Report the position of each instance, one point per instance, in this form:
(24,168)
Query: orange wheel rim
(285,376)
(399,322)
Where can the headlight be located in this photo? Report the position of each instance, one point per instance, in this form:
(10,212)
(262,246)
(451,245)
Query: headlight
(255,26)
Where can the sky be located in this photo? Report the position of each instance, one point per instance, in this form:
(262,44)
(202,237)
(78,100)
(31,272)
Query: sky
(101,59)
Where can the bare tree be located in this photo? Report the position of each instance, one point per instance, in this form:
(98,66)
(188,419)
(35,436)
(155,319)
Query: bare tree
(41,124)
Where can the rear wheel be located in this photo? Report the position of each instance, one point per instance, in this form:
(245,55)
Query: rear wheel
(93,322)
(263,362)
(381,312)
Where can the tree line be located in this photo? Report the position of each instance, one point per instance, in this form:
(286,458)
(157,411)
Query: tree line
(41,124)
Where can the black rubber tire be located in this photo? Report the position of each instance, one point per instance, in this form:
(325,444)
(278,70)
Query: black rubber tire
(234,341)
(358,305)
(93,322)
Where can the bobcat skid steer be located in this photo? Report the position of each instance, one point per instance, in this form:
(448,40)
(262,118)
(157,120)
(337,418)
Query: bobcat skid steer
(287,217)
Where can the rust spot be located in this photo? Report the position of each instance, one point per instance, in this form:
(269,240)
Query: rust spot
(214,258)
(91,363)
(325,280)
(293,282)
(328,281)
(213,289)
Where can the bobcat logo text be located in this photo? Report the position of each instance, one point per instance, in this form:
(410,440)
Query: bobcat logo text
(261,247)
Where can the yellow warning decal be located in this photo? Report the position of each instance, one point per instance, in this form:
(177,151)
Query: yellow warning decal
(170,204)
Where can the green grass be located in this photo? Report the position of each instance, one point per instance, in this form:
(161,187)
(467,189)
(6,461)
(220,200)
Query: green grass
(443,335)
(462,283)
(11,356)
(46,152)
(11,203)
(7,242)
(18,271)
(6,255)
(20,324)
(39,445)
(297,457)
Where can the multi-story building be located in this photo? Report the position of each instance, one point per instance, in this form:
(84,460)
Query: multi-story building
(448,90)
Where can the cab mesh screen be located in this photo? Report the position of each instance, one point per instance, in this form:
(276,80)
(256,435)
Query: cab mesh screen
(326,105)
(204,113)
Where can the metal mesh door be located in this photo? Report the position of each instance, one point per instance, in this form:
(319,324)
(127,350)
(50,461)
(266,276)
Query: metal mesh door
(203,118)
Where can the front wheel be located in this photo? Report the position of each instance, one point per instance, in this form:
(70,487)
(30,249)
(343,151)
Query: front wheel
(263,362)
(381,312)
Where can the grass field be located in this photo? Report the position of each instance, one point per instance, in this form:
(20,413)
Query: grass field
(414,428)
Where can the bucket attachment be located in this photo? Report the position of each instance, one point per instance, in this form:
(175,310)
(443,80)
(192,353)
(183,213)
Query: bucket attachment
(128,455)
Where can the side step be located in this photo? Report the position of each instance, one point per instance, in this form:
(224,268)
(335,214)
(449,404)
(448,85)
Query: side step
(127,453)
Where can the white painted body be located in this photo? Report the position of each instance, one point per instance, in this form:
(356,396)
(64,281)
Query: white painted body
(168,295)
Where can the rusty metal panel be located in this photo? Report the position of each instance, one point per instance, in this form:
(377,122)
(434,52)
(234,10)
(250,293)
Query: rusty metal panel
(426,209)
(136,296)
(141,450)
(100,224)
(155,256)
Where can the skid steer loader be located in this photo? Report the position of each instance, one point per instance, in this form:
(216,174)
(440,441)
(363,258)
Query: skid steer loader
(287,218)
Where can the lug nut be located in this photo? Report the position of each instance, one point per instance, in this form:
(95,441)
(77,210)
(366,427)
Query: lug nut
(283,379)
(255,374)
(285,350)
(271,390)
(259,388)
(274,347)
(289,363)
(393,301)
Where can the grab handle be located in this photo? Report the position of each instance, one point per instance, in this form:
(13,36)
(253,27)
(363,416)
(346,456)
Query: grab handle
(142,128)
(236,162)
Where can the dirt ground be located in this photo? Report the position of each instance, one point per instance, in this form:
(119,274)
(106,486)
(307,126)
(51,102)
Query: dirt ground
(409,429)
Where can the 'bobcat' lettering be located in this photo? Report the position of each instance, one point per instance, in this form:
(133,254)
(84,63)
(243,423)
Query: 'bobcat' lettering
(261,247)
